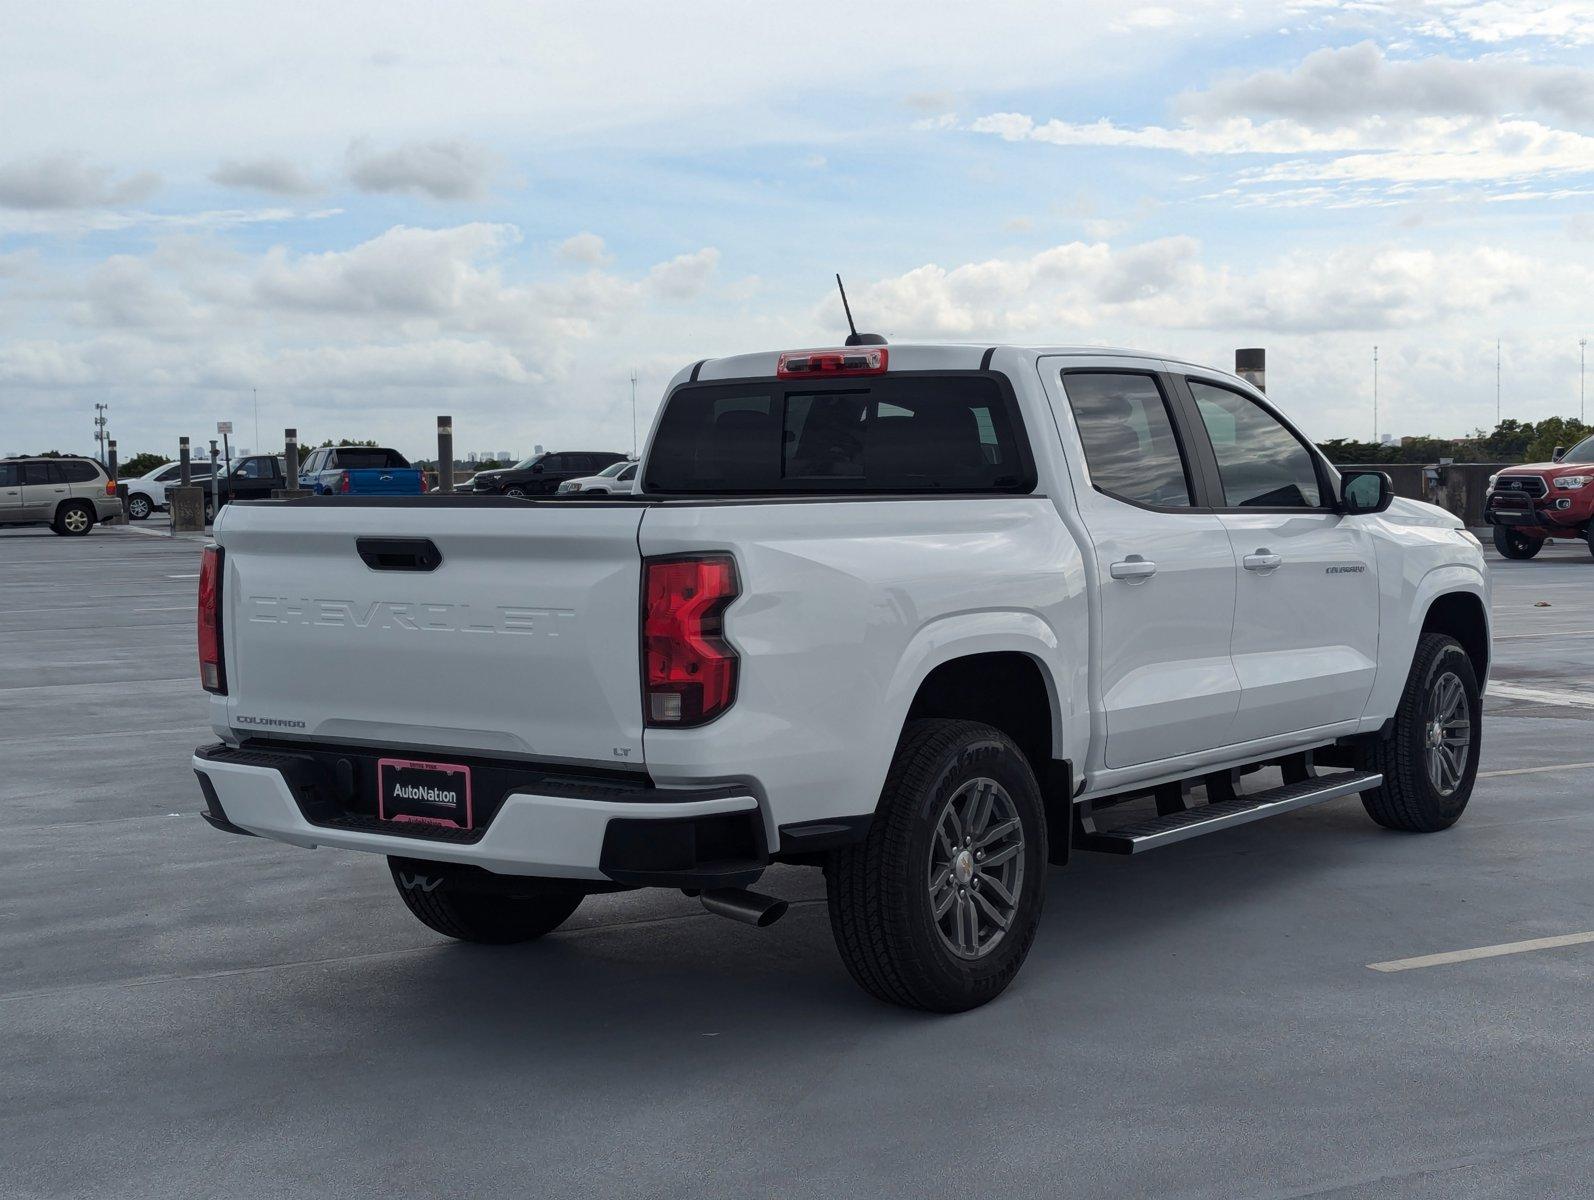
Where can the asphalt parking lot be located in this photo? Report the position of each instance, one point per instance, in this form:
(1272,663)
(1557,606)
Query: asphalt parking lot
(186,1013)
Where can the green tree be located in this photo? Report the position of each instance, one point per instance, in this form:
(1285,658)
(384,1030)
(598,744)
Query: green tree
(140,464)
(1551,432)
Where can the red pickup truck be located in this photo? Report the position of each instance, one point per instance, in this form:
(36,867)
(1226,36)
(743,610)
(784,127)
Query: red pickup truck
(1529,504)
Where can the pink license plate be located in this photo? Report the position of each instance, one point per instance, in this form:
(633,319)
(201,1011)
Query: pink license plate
(423,793)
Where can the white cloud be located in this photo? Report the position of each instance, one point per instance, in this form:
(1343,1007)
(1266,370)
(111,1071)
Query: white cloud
(442,168)
(685,275)
(65,181)
(1352,116)
(278,176)
(587,249)
(1567,21)
(1167,284)
(1335,87)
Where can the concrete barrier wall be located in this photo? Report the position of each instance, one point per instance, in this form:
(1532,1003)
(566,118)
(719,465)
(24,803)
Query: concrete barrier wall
(1457,487)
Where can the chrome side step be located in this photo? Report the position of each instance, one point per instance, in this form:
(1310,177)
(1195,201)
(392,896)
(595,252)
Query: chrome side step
(1155,832)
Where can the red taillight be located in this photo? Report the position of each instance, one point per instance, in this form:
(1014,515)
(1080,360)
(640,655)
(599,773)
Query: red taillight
(689,669)
(212,671)
(422,474)
(110,487)
(343,482)
(808,364)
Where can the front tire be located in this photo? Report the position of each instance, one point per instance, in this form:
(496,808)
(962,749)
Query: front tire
(1512,544)
(139,508)
(515,490)
(74,519)
(937,907)
(444,902)
(1430,760)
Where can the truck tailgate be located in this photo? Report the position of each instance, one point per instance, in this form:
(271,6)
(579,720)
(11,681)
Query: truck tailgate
(522,641)
(385,481)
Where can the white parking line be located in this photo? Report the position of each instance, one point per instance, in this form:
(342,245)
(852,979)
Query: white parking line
(1455,956)
(1566,699)
(1535,770)
(195,575)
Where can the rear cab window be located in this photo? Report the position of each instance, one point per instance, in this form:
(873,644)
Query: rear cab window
(955,433)
(358,458)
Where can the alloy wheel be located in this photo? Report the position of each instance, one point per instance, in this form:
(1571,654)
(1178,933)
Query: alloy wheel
(976,868)
(1447,734)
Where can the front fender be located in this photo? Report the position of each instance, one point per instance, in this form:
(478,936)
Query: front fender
(1398,637)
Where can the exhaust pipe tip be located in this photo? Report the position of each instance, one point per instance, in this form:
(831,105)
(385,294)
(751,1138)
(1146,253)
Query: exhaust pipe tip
(739,904)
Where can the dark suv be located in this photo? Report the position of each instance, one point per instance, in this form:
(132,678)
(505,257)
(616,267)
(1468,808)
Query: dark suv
(542,474)
(67,494)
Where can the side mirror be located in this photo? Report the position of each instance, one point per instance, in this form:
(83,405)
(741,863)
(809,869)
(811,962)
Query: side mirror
(1366,492)
(1560,453)
(536,469)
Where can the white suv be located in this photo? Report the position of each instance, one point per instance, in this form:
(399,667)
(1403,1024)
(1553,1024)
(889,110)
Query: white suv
(147,493)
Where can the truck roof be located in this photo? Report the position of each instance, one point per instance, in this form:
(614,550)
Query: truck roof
(929,356)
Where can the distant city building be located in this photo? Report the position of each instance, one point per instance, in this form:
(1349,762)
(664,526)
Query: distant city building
(505,456)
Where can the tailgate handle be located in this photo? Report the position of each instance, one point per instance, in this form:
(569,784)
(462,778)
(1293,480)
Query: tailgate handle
(399,554)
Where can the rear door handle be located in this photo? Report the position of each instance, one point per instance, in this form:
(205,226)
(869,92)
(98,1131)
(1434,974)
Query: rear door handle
(1133,569)
(1263,561)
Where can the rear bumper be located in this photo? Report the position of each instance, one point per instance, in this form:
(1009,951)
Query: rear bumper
(702,837)
(107,507)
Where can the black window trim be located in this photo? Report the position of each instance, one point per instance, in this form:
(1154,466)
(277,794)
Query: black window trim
(1327,478)
(778,388)
(1200,501)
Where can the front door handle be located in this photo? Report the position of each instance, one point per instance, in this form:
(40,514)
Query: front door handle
(1263,561)
(1133,569)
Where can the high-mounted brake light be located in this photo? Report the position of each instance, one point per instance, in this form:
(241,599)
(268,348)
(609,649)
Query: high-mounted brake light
(688,668)
(826,364)
(212,670)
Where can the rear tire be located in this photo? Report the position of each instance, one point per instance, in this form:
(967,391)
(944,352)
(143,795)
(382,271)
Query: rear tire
(1428,774)
(139,508)
(73,519)
(947,778)
(1512,544)
(443,903)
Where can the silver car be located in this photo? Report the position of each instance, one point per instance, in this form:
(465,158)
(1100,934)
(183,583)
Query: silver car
(67,494)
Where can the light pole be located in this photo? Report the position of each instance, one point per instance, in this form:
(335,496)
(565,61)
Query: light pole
(1375,394)
(255,395)
(99,427)
(633,414)
(1582,350)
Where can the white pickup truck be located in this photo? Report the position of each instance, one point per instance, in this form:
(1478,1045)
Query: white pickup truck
(926,617)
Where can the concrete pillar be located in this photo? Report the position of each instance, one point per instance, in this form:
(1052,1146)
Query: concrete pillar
(186,501)
(1251,366)
(445,454)
(113,467)
(290,466)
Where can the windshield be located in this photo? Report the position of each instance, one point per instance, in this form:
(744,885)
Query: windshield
(525,464)
(1583,452)
(611,471)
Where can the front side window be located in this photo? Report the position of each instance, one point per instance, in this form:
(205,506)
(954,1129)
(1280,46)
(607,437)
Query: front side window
(919,434)
(9,475)
(170,474)
(1261,464)
(1128,437)
(628,474)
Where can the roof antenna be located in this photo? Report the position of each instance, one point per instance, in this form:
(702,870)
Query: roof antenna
(855,338)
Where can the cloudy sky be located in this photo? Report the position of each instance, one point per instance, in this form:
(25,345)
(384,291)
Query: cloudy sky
(373,213)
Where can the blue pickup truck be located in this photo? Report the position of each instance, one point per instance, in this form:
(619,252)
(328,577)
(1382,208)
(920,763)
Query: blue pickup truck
(360,471)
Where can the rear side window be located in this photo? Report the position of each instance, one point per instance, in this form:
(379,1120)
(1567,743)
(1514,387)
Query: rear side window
(906,433)
(1260,462)
(358,458)
(78,471)
(1128,437)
